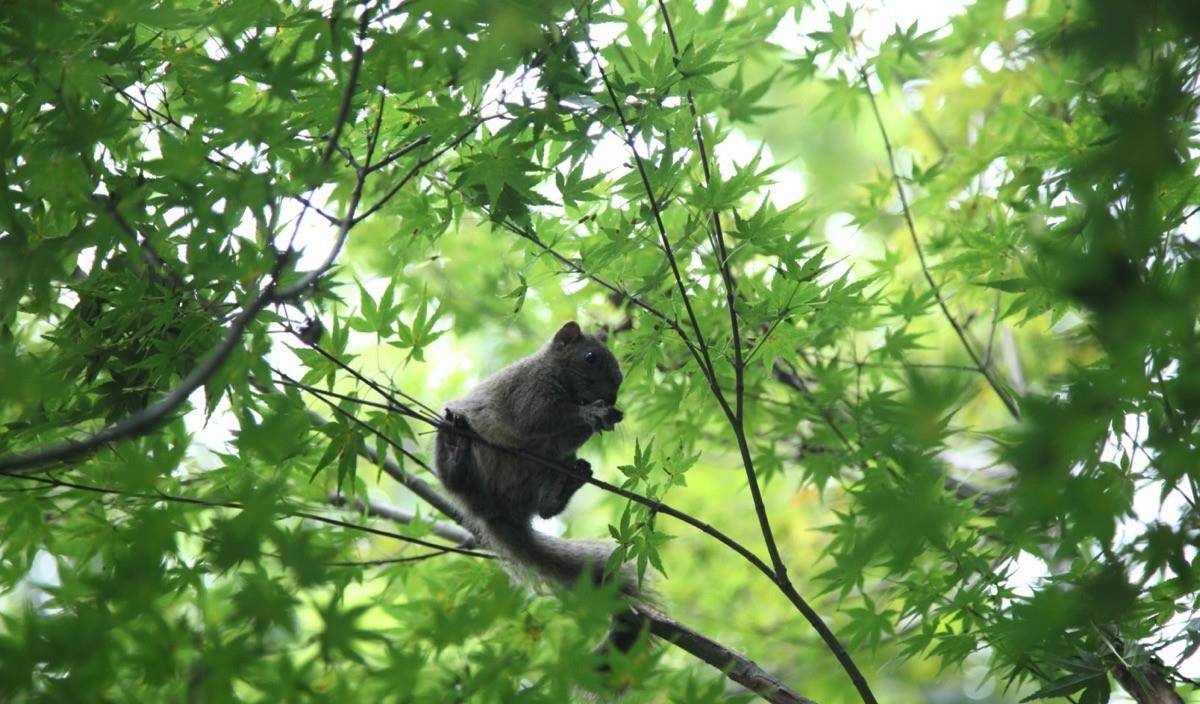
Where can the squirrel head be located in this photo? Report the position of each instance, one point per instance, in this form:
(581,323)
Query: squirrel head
(587,368)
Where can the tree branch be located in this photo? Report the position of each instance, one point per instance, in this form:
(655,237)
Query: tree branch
(399,153)
(450,531)
(736,667)
(416,168)
(351,85)
(149,417)
(347,223)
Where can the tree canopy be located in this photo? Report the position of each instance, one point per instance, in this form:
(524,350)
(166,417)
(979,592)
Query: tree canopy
(907,315)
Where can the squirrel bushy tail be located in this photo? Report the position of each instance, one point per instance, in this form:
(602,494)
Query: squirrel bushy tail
(555,559)
(565,562)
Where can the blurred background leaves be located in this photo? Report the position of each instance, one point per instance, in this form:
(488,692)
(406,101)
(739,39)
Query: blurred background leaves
(992,500)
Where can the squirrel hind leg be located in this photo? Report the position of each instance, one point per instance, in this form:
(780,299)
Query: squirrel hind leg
(557,491)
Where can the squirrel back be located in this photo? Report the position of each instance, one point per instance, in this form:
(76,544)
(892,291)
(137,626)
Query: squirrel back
(536,411)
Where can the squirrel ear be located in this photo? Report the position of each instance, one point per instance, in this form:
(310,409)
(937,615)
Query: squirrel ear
(569,332)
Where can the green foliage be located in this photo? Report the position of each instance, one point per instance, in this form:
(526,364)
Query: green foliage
(961,366)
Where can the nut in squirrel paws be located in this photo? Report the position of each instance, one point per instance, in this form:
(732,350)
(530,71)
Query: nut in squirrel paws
(601,416)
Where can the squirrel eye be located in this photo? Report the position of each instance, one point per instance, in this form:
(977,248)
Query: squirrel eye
(589,357)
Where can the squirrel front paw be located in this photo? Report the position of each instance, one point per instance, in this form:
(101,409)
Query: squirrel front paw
(458,428)
(601,416)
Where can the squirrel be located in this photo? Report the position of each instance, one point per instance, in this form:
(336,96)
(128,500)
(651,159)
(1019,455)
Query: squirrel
(543,406)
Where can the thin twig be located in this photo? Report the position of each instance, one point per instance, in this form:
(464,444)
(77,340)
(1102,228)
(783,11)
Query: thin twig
(987,352)
(399,153)
(237,506)
(416,168)
(577,268)
(347,223)
(1007,400)
(389,560)
(702,358)
(351,86)
(395,405)
(450,531)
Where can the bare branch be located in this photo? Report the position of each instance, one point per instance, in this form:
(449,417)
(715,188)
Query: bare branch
(987,352)
(390,560)
(736,667)
(459,536)
(347,222)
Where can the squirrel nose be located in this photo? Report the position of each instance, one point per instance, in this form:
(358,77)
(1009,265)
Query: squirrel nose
(618,415)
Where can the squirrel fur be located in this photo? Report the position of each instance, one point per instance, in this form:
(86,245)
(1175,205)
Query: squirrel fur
(543,406)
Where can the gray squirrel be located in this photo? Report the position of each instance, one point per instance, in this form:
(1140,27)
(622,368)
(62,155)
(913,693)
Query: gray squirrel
(540,408)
